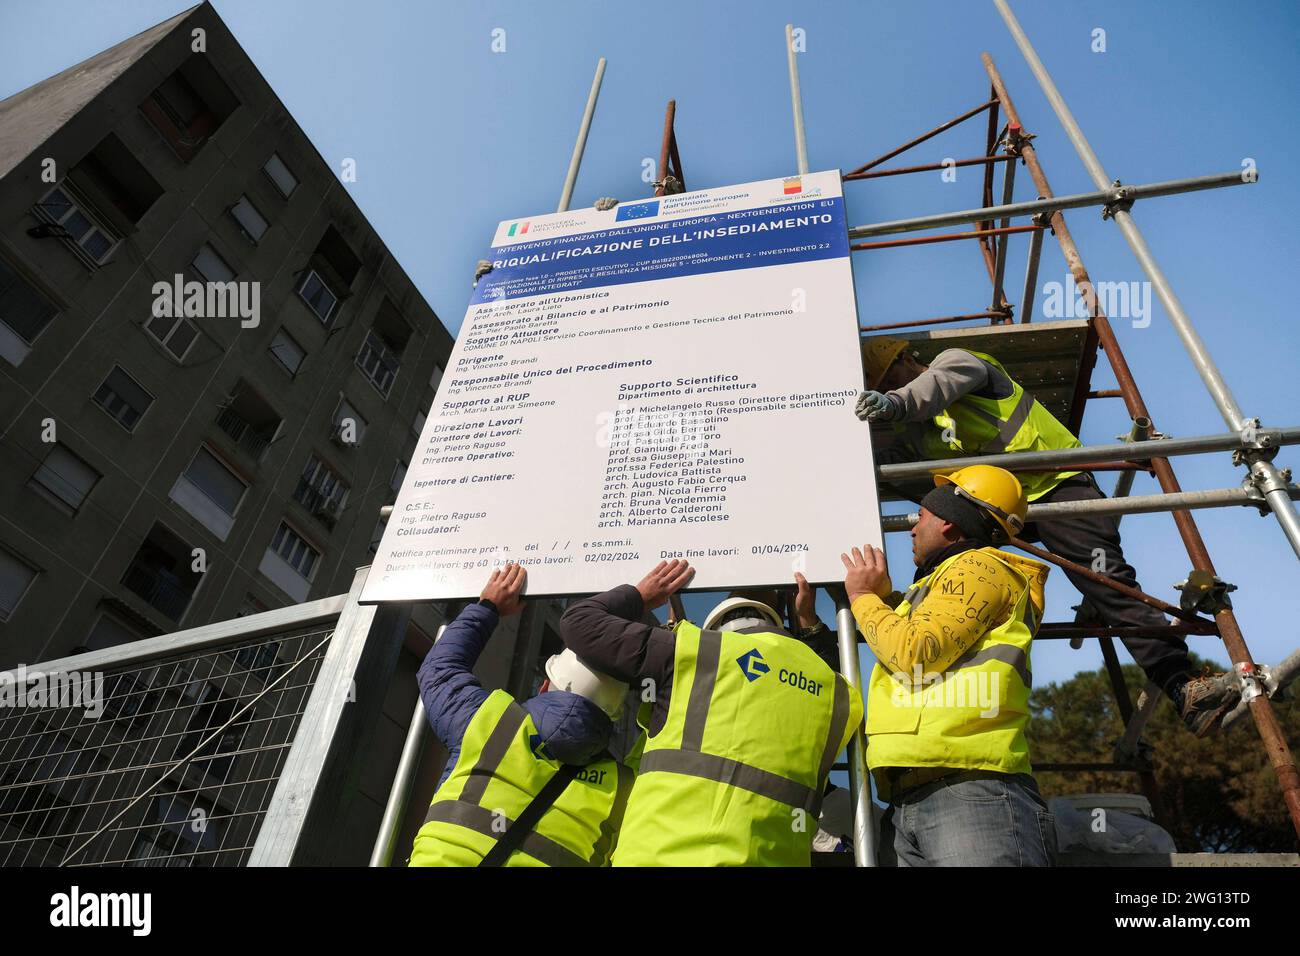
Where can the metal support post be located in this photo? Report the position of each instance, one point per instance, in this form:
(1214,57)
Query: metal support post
(864,826)
(571,177)
(796,102)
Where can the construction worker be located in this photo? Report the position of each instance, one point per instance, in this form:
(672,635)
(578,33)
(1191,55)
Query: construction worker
(743,722)
(948,698)
(525,784)
(965,403)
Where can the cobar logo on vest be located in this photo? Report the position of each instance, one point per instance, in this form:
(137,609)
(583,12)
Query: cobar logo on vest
(752,665)
(538,746)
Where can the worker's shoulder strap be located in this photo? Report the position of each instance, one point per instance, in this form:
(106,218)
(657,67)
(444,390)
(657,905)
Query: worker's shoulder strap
(524,823)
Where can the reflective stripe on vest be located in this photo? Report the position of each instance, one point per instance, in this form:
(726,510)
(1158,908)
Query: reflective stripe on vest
(1017,423)
(466,809)
(946,720)
(691,761)
(751,732)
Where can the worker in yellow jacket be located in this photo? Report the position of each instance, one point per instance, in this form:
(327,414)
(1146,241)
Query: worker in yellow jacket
(965,403)
(948,699)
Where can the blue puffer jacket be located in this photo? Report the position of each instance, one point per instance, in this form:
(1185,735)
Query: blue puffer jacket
(573,729)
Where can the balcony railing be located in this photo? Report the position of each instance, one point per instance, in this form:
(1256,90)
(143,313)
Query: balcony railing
(159,588)
(246,435)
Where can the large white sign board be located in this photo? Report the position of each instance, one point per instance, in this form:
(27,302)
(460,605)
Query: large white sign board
(669,378)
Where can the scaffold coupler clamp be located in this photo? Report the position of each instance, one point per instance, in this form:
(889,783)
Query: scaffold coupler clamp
(1255,680)
(1205,593)
(1121,201)
(670,184)
(1257,444)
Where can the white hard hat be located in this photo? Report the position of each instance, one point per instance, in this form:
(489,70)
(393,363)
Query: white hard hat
(566,671)
(732,603)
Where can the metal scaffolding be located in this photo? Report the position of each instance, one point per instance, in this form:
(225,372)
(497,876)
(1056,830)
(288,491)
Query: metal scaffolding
(1265,488)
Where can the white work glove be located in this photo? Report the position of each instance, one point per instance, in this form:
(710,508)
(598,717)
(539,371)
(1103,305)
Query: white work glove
(873,406)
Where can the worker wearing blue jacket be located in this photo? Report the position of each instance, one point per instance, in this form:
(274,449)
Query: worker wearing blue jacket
(544,759)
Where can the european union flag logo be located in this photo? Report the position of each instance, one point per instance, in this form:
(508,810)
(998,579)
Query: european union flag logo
(637,210)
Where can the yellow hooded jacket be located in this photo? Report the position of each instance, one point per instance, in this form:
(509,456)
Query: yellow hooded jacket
(952,679)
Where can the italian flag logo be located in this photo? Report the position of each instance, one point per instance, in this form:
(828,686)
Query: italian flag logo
(519,228)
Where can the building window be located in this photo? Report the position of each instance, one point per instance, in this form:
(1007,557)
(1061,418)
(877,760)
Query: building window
(162,573)
(349,427)
(16,576)
(286,350)
(210,267)
(213,710)
(321,491)
(109,632)
(399,472)
(24,312)
(251,605)
(294,551)
(318,296)
(189,106)
(252,222)
(174,333)
(249,420)
(211,492)
(123,398)
(379,362)
(436,377)
(74,220)
(417,424)
(279,174)
(66,477)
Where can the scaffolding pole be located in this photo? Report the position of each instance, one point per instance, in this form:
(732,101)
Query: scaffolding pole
(575,161)
(796,103)
(1270,730)
(1263,472)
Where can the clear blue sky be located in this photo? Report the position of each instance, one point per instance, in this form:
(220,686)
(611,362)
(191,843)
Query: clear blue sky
(449,138)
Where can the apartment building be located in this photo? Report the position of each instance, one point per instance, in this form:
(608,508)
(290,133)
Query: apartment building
(168,458)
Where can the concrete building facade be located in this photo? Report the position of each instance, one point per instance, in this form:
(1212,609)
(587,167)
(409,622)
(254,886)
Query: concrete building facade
(171,460)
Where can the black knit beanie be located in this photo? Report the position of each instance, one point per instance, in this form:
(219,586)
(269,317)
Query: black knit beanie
(973,521)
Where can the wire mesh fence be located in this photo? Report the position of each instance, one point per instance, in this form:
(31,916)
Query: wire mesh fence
(165,762)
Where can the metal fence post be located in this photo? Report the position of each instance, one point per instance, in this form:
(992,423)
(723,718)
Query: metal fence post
(319,779)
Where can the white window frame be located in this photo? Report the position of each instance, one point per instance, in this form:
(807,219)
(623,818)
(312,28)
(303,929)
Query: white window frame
(276,157)
(102,407)
(323,477)
(177,322)
(329,316)
(36,573)
(376,353)
(233,474)
(296,551)
(78,203)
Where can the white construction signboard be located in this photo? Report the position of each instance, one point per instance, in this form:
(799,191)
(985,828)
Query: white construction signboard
(671,378)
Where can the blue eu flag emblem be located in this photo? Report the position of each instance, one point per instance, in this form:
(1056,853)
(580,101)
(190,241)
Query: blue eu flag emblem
(637,210)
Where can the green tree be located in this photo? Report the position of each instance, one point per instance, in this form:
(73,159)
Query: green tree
(1217,794)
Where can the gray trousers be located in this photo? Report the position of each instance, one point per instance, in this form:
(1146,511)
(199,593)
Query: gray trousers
(1082,540)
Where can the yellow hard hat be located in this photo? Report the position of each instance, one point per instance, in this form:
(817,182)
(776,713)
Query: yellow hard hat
(880,353)
(994,489)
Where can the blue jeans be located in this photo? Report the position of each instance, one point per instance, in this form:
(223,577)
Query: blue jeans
(985,819)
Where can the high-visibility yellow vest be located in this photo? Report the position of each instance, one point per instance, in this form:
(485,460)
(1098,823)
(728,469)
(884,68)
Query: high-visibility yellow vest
(497,774)
(990,426)
(973,715)
(735,776)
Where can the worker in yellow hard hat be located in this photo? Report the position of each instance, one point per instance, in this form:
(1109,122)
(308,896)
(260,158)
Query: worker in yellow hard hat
(948,698)
(965,403)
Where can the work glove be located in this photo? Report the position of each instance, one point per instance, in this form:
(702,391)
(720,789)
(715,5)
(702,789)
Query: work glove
(873,406)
